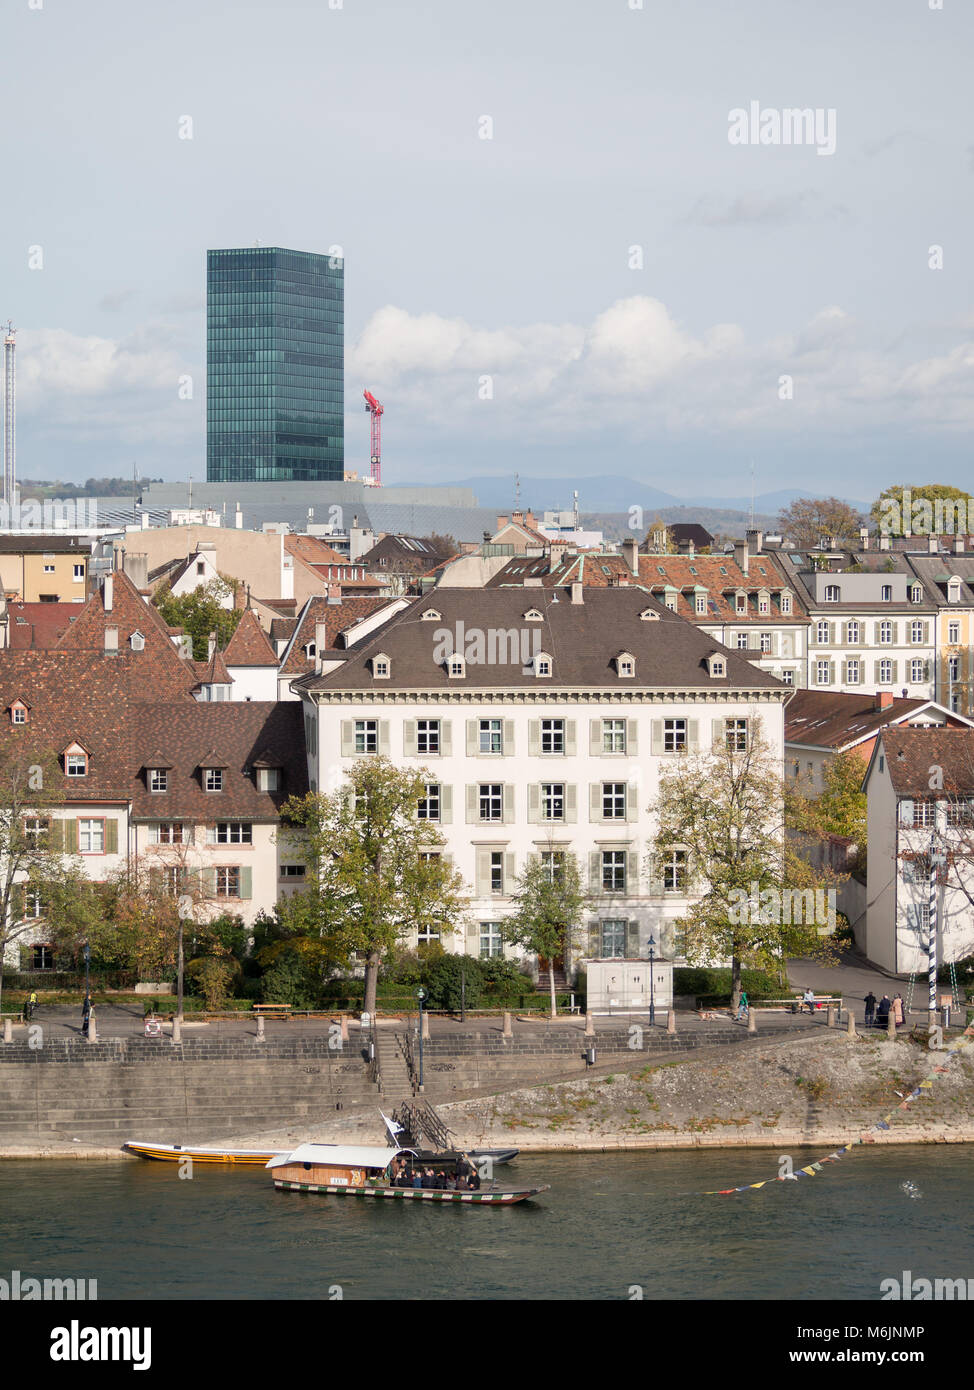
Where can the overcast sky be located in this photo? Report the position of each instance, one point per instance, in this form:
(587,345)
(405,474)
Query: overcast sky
(506,258)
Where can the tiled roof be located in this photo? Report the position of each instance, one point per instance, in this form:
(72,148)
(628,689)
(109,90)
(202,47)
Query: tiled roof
(313,551)
(282,629)
(249,645)
(337,617)
(911,753)
(831,719)
(39,624)
(214,671)
(582,640)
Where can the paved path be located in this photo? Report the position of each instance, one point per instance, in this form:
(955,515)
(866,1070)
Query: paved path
(853,978)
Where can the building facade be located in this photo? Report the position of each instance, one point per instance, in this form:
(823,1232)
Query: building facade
(274,366)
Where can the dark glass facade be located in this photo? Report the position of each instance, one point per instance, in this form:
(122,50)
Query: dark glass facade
(274,366)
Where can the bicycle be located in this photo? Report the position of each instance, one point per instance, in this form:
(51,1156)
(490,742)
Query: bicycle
(29,1008)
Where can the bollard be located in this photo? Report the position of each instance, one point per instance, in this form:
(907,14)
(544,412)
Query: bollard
(8,1030)
(752,1021)
(891,1025)
(344,1022)
(851,1030)
(177,1030)
(426,1025)
(589,1025)
(671,1021)
(508,1031)
(260,1027)
(92,1028)
(830,1020)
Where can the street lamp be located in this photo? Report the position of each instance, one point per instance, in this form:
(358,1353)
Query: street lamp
(421,995)
(184,907)
(652,989)
(87,970)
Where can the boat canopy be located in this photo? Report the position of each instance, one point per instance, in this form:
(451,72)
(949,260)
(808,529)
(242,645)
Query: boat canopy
(339,1156)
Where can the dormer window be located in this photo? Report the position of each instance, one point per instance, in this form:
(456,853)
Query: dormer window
(832,593)
(953,590)
(213,779)
(716,665)
(430,616)
(533,616)
(269,779)
(649,615)
(670,596)
(887,593)
(158,779)
(137,642)
(18,712)
(785,601)
(625,665)
(456,666)
(381,667)
(700,603)
(741,601)
(542,664)
(916,594)
(311,651)
(75,761)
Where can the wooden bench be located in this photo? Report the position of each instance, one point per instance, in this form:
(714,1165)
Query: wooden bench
(278,1011)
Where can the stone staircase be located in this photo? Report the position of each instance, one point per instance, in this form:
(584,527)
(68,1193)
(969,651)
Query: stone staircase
(395,1081)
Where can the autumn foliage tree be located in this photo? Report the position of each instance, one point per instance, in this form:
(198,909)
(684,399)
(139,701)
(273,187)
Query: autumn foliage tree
(808,519)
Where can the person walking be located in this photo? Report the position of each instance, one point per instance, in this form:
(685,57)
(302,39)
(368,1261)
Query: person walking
(899,1017)
(870,1003)
(743,1008)
(882,1012)
(86,1014)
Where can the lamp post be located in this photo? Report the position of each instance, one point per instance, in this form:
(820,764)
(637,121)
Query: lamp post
(87,971)
(652,983)
(937,860)
(184,907)
(463,988)
(421,995)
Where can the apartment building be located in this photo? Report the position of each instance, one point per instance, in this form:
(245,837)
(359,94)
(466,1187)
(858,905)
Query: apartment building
(545,719)
(44,568)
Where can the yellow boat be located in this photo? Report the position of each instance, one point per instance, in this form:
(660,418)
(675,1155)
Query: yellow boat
(175,1153)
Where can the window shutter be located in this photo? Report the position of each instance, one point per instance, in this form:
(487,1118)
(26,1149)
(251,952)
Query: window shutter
(510,874)
(473,932)
(483,873)
(384,736)
(594,940)
(906,813)
(571,804)
(446,805)
(895,671)
(473,737)
(896,634)
(632,940)
(845,673)
(595,871)
(208,882)
(693,734)
(508,804)
(111,836)
(348,738)
(926,633)
(594,737)
(656,740)
(570,738)
(446,738)
(876,672)
(246,881)
(632,802)
(409,738)
(508,738)
(655,877)
(189,834)
(71,836)
(595,801)
(56,834)
(534,803)
(534,737)
(717,730)
(632,740)
(473,803)
(632,873)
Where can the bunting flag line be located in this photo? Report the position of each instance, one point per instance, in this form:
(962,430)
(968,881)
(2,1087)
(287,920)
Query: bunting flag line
(866,1137)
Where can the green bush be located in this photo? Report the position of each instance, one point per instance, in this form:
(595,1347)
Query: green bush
(290,981)
(709,983)
(450,978)
(213,977)
(503,978)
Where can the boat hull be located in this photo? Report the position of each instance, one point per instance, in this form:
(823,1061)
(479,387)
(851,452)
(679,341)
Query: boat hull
(414,1194)
(175,1153)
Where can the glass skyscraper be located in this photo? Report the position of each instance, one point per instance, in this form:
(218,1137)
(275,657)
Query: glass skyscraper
(274,366)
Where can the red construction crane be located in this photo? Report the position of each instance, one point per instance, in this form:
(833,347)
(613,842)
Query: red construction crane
(377,412)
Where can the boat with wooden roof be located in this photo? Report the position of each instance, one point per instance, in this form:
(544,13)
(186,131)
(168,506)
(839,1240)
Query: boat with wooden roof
(175,1153)
(345,1170)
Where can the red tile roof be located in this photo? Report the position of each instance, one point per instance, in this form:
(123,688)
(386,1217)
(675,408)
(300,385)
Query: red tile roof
(35,625)
(249,645)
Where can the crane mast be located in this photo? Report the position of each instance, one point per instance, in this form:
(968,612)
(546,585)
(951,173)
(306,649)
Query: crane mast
(376,411)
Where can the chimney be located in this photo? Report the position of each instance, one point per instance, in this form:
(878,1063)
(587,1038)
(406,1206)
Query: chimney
(334,593)
(864,537)
(630,551)
(691,549)
(884,542)
(111,639)
(741,554)
(136,566)
(321,642)
(933,545)
(108,593)
(755,539)
(211,646)
(144,521)
(578,593)
(884,699)
(958,545)
(502,522)
(238,518)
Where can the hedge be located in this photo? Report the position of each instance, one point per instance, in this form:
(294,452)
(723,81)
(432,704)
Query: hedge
(708,983)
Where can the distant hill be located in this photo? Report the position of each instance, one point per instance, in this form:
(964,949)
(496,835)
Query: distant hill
(614,493)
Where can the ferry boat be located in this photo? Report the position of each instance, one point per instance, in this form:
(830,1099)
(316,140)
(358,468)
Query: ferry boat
(344,1170)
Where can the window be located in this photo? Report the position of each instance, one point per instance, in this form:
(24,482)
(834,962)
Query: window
(764,605)
(960,812)
(491,801)
(380,670)
(625,666)
(496,871)
(852,673)
(886,633)
(831,593)
(822,634)
(552,801)
(715,665)
(18,714)
(79,572)
(268,779)
(955,703)
(91,836)
(542,666)
(174,880)
(553,864)
(292,871)
(228,882)
(456,666)
(675,871)
(42,958)
(735,735)
(953,634)
(613,735)
(823,673)
(916,633)
(953,668)
(887,593)
(427,735)
(491,736)
(213,779)
(429,805)
(700,604)
(166,833)
(48,569)
(674,735)
(552,735)
(886,672)
(788,677)
(916,594)
(613,800)
(33,907)
(786,603)
(158,779)
(76,765)
(491,941)
(924,813)
(200,567)
(426,934)
(366,735)
(852,632)
(741,603)
(230,832)
(742,641)
(917,672)
(613,934)
(766,643)
(613,871)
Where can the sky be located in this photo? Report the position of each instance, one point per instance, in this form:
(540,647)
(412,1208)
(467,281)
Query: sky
(556,260)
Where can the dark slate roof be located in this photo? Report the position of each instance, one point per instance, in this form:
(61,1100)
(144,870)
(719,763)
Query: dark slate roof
(910,754)
(336,616)
(44,545)
(582,640)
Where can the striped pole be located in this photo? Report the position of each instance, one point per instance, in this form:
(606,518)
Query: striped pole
(932,931)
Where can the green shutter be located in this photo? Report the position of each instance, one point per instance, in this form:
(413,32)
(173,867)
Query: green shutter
(111,836)
(56,834)
(70,836)
(246,881)
(208,882)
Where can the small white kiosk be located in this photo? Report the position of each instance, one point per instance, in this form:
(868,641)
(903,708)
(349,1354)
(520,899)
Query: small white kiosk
(624,986)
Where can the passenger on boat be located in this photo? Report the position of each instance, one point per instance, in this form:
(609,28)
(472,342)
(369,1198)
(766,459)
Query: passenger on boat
(418,1179)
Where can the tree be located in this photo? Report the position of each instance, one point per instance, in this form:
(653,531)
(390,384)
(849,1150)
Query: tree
(375,870)
(721,832)
(931,509)
(808,519)
(31,854)
(548,901)
(444,546)
(840,808)
(201,612)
